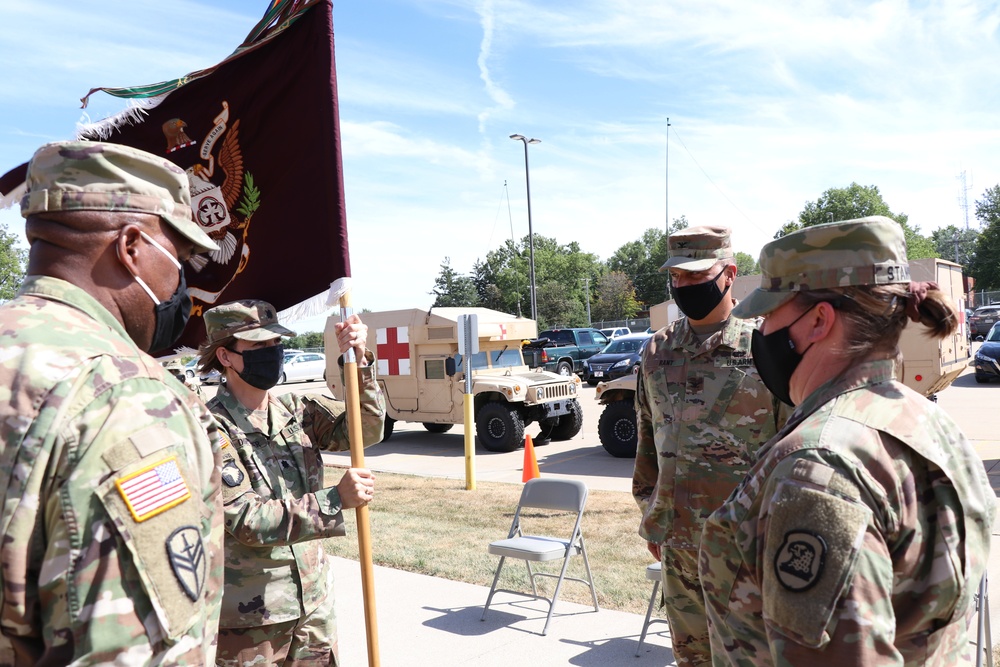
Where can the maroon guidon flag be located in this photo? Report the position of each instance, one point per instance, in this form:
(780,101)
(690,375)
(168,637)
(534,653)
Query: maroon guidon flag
(259,137)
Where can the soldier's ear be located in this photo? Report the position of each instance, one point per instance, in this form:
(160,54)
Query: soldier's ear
(126,247)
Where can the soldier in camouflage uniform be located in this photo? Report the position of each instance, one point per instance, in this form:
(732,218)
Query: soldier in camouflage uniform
(702,412)
(112,521)
(278,608)
(860,535)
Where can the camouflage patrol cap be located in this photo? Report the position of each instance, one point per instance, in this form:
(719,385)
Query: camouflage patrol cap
(698,248)
(866,251)
(249,319)
(95,176)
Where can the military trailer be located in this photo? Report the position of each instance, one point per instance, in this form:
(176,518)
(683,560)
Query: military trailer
(929,366)
(423,376)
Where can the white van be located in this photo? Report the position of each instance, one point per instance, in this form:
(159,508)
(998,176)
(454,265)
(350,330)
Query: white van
(614,332)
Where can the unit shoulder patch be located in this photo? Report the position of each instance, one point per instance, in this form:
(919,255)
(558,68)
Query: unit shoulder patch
(186,552)
(798,562)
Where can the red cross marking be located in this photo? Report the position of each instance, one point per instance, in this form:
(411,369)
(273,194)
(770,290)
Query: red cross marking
(393,347)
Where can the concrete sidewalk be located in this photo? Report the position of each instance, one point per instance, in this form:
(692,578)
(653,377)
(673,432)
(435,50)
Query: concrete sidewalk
(425,620)
(428,620)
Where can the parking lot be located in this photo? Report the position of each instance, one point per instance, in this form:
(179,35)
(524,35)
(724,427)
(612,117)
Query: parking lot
(414,450)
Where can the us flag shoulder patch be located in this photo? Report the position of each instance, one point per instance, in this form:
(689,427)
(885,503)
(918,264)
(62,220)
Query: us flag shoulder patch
(153,489)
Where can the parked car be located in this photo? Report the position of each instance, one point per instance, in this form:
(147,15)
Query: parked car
(303,367)
(983,319)
(987,359)
(191,368)
(615,332)
(212,377)
(619,358)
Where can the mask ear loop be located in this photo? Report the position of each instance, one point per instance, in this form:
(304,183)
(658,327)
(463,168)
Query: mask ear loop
(174,260)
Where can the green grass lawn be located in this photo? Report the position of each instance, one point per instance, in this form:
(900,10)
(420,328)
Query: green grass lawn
(436,527)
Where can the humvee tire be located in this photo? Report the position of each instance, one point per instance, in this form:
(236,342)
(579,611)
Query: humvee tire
(568,425)
(387,428)
(617,430)
(437,428)
(499,427)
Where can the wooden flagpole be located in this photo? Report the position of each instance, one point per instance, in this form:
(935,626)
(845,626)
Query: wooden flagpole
(352,396)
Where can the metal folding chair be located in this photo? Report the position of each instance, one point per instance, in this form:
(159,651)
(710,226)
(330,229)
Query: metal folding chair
(654,574)
(550,494)
(984,637)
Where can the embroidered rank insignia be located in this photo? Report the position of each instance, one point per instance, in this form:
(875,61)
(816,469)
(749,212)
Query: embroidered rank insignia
(231,473)
(153,489)
(187,558)
(798,564)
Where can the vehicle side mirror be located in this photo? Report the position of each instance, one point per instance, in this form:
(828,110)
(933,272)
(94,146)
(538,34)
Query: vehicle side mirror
(449,366)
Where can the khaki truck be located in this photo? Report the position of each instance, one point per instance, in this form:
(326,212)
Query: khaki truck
(423,376)
(928,367)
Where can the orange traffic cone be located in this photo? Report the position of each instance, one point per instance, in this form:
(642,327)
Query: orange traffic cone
(530,470)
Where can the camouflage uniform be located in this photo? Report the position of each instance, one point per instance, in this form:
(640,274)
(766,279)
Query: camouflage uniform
(279,579)
(96,570)
(702,413)
(861,534)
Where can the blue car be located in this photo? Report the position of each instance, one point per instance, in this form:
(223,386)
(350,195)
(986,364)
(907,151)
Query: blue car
(988,357)
(618,358)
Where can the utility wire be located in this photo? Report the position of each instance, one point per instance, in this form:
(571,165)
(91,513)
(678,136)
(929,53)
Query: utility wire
(724,195)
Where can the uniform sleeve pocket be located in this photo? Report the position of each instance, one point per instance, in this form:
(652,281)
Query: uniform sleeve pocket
(813,540)
(157,511)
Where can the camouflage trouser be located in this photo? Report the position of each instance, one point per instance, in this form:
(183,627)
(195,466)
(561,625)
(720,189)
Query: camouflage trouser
(310,641)
(685,607)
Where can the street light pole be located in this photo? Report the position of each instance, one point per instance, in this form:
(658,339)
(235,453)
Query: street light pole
(531,234)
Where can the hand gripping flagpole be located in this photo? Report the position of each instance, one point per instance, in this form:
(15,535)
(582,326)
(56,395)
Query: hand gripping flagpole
(340,291)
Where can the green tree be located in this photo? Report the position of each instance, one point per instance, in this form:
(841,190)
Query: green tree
(502,280)
(860,201)
(788,228)
(615,297)
(746,265)
(957,245)
(12,262)
(986,264)
(452,289)
(557,307)
(310,339)
(641,260)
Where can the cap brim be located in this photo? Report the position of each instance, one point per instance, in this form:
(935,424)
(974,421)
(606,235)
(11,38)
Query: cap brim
(192,232)
(761,302)
(689,264)
(269,332)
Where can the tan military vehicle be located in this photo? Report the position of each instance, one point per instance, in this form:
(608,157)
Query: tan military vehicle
(929,366)
(423,376)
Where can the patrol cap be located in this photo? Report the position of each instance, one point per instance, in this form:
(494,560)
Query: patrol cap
(866,251)
(697,248)
(95,176)
(249,319)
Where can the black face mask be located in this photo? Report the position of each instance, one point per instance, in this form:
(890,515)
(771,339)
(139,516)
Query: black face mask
(776,359)
(171,317)
(697,301)
(262,366)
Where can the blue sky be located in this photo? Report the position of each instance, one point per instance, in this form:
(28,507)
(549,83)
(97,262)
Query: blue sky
(769,108)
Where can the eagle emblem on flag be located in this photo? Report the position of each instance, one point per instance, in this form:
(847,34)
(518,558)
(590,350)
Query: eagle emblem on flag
(222,209)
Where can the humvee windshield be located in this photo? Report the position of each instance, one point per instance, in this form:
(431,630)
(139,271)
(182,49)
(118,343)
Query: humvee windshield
(497,359)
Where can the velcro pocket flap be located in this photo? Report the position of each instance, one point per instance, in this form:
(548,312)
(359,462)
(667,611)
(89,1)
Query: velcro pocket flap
(812,546)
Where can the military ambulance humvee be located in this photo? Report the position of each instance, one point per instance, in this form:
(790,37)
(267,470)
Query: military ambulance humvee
(929,365)
(423,376)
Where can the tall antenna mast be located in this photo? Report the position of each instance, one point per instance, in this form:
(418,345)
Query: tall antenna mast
(666,181)
(963,197)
